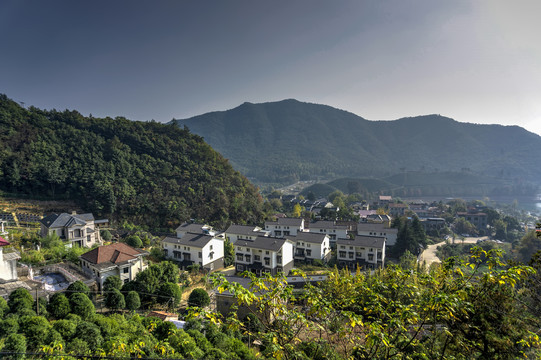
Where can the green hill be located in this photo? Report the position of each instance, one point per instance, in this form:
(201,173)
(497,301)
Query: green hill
(281,142)
(147,172)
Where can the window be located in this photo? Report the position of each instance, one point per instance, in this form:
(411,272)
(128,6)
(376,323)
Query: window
(210,247)
(200,254)
(342,247)
(266,252)
(351,255)
(370,257)
(240,257)
(267,261)
(211,255)
(126,270)
(239,248)
(257,258)
(342,254)
(240,267)
(279,259)
(248,258)
(307,245)
(309,252)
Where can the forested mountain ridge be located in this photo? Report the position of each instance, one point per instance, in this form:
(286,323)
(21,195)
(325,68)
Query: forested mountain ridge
(148,172)
(289,140)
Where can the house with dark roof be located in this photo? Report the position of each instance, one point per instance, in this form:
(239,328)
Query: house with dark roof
(330,228)
(78,229)
(8,261)
(244,232)
(195,248)
(284,226)
(264,255)
(195,229)
(311,246)
(378,229)
(117,259)
(366,252)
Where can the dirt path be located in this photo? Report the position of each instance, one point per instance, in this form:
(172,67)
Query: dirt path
(429,255)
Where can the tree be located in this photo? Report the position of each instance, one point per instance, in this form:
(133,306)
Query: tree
(112,282)
(297,211)
(199,297)
(82,306)
(115,300)
(169,293)
(16,344)
(106,235)
(229,253)
(59,306)
(89,333)
(134,241)
(133,302)
(77,287)
(35,329)
(19,300)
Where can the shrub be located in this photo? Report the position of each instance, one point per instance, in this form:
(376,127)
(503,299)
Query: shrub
(199,297)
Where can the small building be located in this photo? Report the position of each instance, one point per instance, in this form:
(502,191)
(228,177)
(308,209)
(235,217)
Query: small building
(117,259)
(195,229)
(8,261)
(264,255)
(330,228)
(311,246)
(478,219)
(378,229)
(244,232)
(205,250)
(366,252)
(78,229)
(285,226)
(397,209)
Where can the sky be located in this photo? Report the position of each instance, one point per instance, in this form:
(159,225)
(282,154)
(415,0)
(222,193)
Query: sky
(474,61)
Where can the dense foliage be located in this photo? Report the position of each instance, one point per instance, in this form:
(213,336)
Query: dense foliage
(150,173)
(452,311)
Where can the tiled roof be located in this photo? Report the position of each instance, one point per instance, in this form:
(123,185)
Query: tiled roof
(3,242)
(113,254)
(242,230)
(324,224)
(263,243)
(362,240)
(65,219)
(190,239)
(286,222)
(315,238)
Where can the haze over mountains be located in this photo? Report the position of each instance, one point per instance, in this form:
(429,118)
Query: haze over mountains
(284,141)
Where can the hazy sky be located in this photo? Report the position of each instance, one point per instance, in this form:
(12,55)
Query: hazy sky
(475,61)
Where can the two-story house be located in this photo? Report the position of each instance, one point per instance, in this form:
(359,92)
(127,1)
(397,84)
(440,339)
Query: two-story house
(78,229)
(397,209)
(330,228)
(195,229)
(244,232)
(311,246)
(264,255)
(117,259)
(367,252)
(189,248)
(285,226)
(378,229)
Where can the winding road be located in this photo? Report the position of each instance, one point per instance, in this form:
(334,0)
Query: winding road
(429,255)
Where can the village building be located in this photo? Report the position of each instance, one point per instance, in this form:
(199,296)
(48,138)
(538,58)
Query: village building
(244,232)
(195,248)
(8,261)
(285,226)
(195,229)
(117,259)
(378,229)
(478,219)
(78,229)
(264,255)
(311,246)
(330,228)
(365,252)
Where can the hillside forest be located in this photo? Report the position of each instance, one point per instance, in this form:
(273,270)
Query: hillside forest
(145,172)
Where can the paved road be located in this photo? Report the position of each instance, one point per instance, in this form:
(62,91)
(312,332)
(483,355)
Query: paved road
(429,255)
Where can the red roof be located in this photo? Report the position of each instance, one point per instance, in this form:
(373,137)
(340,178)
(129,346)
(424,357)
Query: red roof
(3,242)
(115,253)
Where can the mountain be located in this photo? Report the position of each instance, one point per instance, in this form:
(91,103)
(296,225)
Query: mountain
(284,141)
(146,172)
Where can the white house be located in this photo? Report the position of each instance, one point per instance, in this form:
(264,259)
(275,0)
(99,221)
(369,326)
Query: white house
(8,262)
(378,229)
(311,246)
(116,259)
(330,228)
(205,250)
(264,255)
(78,229)
(363,251)
(285,226)
(195,229)
(244,232)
